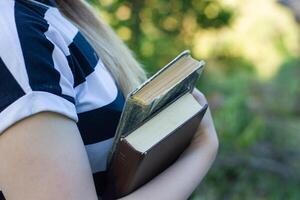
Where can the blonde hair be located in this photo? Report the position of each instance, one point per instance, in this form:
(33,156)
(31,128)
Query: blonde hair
(114,53)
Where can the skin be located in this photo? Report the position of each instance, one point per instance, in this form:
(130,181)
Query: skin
(43,157)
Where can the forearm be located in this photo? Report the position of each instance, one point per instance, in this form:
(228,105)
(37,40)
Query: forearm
(180,179)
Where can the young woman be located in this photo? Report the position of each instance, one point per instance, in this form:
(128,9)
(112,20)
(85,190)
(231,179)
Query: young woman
(63,77)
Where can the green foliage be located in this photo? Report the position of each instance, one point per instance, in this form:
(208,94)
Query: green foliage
(258,124)
(258,120)
(157,25)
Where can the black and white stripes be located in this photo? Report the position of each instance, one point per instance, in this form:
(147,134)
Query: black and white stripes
(46,64)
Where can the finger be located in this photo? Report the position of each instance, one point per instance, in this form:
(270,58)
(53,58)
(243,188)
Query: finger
(199,96)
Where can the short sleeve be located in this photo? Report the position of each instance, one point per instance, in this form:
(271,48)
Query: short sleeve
(34,71)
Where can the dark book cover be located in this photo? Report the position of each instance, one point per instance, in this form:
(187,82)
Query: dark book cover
(135,113)
(131,168)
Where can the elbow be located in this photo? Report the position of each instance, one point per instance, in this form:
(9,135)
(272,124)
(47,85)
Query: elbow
(213,144)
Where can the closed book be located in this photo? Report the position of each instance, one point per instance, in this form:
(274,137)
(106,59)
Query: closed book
(156,144)
(174,79)
(158,120)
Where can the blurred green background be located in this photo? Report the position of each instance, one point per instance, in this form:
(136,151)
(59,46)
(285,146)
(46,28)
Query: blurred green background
(251,80)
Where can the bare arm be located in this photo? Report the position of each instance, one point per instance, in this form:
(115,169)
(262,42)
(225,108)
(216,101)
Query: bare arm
(181,178)
(43,158)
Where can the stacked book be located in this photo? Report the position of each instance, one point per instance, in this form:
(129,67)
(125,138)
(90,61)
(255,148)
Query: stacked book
(158,122)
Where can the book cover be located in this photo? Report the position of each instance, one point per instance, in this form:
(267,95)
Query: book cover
(131,167)
(135,112)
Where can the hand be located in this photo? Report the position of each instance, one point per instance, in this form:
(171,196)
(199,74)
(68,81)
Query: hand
(206,132)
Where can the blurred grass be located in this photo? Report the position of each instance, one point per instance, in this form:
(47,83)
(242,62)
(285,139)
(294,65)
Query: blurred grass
(252,50)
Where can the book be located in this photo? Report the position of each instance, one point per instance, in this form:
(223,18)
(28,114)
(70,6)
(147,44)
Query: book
(158,121)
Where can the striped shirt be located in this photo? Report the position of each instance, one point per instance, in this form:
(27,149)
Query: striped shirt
(46,64)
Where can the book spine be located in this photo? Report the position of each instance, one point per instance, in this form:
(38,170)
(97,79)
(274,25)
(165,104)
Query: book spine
(122,170)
